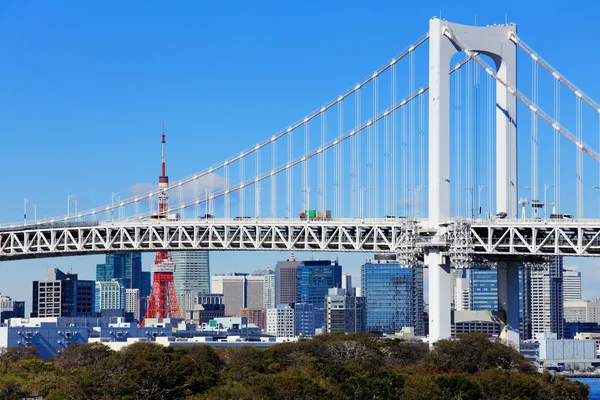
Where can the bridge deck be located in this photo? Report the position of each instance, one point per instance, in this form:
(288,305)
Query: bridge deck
(492,238)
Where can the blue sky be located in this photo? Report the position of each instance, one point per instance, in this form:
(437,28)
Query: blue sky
(84,87)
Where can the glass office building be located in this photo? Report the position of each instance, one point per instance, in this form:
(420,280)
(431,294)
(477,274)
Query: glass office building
(484,290)
(125,268)
(394,295)
(314,278)
(192,274)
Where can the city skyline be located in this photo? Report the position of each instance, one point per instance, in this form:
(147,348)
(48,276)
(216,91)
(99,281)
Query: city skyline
(135,130)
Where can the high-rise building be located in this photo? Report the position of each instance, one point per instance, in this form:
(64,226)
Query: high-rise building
(280,321)
(547,307)
(145,291)
(484,290)
(255,291)
(394,295)
(285,281)
(11,309)
(125,268)
(525,302)
(314,278)
(571,284)
(344,313)
(269,286)
(347,285)
(132,302)
(256,316)
(192,272)
(63,295)
(462,294)
(582,311)
(456,274)
(239,291)
(6,308)
(109,296)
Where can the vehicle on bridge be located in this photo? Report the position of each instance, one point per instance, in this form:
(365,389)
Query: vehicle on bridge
(169,217)
(561,216)
(316,215)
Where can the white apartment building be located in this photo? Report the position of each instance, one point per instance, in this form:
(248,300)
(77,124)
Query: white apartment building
(132,302)
(571,284)
(280,321)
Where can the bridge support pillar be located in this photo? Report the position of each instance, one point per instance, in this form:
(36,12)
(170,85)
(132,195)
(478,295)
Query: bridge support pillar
(508,301)
(440,282)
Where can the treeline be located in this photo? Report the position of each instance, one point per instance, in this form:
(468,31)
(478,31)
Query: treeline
(325,367)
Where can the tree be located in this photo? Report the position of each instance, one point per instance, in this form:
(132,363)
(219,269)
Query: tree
(82,355)
(475,352)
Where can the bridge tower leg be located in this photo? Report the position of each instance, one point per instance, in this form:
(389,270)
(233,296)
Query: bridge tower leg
(440,282)
(508,301)
(494,42)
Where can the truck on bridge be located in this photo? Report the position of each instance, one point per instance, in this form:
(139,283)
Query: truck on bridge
(316,215)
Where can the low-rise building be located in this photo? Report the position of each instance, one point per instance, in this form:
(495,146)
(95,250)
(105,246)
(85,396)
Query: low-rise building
(52,335)
(595,336)
(256,316)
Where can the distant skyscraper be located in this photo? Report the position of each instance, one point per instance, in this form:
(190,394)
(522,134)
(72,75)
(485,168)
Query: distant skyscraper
(285,282)
(344,313)
(63,295)
(269,295)
(462,294)
(394,295)
(125,268)
(192,272)
(571,284)
(145,291)
(582,311)
(314,278)
(484,290)
(525,302)
(132,302)
(239,291)
(547,306)
(347,285)
(109,296)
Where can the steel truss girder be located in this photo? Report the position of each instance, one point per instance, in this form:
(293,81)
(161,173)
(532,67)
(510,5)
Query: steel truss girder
(537,238)
(151,236)
(491,239)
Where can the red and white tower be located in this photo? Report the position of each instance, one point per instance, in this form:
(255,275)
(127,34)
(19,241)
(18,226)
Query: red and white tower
(163,298)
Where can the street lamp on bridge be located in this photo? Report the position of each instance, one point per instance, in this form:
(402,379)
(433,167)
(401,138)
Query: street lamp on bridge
(546,187)
(479,189)
(26,202)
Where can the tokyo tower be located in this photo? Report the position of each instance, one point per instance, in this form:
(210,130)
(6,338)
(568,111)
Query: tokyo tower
(163,299)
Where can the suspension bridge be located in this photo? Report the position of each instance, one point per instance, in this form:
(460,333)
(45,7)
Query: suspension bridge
(420,159)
